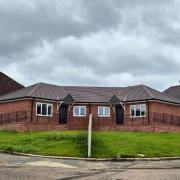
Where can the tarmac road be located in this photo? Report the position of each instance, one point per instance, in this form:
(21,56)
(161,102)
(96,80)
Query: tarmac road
(14,167)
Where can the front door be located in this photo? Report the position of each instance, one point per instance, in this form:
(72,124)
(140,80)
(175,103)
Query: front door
(119,114)
(63,114)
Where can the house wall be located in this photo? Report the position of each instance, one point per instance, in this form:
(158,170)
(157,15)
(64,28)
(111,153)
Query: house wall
(136,120)
(169,112)
(99,123)
(164,108)
(102,121)
(8,107)
(78,122)
(45,120)
(8,85)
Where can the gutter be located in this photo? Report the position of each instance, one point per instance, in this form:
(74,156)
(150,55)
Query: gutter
(50,100)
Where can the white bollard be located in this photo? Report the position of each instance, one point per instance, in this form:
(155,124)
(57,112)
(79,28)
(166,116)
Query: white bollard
(89,135)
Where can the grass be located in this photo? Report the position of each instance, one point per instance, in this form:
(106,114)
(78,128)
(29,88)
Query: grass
(130,144)
(104,144)
(67,143)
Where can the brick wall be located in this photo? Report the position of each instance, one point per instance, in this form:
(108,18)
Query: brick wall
(45,120)
(99,123)
(102,121)
(8,85)
(23,105)
(169,109)
(164,108)
(136,120)
(22,127)
(78,122)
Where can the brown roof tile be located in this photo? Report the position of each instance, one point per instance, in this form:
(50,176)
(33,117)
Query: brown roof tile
(173,91)
(8,85)
(89,94)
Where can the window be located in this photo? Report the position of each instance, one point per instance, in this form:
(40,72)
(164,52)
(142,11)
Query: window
(103,111)
(79,111)
(43,109)
(138,110)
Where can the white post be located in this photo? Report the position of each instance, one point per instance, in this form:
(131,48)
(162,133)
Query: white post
(89,135)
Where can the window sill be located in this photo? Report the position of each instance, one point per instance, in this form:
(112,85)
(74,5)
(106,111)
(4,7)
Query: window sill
(137,117)
(104,116)
(43,115)
(78,116)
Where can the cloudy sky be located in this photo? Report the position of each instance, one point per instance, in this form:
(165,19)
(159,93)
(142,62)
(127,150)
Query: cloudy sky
(91,42)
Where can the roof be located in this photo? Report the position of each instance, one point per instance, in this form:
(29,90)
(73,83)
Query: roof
(88,94)
(173,91)
(8,85)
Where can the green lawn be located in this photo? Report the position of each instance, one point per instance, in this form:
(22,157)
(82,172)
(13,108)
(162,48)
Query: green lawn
(104,144)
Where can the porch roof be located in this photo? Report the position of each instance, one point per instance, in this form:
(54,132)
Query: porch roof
(68,99)
(114,100)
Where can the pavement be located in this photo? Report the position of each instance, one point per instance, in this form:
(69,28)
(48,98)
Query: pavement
(13,167)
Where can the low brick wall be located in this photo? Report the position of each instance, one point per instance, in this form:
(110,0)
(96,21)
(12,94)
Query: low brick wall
(23,127)
(140,128)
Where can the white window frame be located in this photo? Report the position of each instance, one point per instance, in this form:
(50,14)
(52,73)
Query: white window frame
(140,110)
(103,111)
(79,115)
(47,104)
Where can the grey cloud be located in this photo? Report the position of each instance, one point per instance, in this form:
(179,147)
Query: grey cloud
(102,15)
(106,42)
(22,25)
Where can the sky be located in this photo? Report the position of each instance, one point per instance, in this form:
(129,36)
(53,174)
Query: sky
(96,42)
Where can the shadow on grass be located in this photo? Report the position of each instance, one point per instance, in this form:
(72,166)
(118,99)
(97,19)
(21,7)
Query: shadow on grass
(102,148)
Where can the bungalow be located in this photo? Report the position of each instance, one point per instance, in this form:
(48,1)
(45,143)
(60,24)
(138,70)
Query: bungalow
(49,107)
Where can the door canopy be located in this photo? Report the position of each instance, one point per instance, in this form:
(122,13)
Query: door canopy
(116,101)
(68,100)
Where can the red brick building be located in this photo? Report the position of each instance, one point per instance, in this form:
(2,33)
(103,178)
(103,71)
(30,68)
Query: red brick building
(49,107)
(8,85)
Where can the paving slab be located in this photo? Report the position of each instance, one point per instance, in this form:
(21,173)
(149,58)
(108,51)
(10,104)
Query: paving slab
(50,164)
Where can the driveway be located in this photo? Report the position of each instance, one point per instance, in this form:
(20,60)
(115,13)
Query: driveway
(35,168)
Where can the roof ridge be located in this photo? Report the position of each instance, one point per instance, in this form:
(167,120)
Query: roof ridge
(146,89)
(37,85)
(10,78)
(174,86)
(90,86)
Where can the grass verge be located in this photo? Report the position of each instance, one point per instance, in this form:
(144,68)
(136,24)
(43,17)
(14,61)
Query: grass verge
(104,144)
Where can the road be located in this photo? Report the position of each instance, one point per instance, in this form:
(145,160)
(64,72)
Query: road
(14,167)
